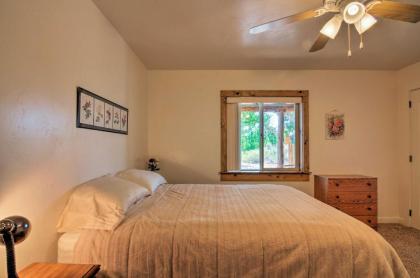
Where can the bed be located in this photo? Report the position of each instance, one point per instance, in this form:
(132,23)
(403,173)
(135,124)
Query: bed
(196,230)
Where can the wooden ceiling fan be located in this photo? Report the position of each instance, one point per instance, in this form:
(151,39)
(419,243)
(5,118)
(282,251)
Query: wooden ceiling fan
(361,14)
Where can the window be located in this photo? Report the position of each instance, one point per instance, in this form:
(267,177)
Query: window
(264,135)
(267,138)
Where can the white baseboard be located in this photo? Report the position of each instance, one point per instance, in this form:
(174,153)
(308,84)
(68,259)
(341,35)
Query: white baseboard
(386,219)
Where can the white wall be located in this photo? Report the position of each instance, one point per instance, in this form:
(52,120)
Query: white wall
(184,123)
(48,48)
(407,79)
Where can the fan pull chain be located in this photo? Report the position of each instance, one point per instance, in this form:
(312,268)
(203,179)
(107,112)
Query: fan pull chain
(362,45)
(349,39)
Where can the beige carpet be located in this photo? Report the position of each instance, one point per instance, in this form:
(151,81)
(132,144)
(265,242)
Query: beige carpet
(406,242)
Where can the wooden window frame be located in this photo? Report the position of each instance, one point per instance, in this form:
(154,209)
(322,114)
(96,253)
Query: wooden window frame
(302,175)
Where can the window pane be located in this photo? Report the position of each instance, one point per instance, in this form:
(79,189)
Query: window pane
(279,136)
(272,136)
(289,134)
(250,136)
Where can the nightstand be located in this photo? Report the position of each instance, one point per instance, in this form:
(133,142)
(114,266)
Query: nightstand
(51,270)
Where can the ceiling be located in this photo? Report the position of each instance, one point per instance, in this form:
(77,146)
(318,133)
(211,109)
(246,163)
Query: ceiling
(213,34)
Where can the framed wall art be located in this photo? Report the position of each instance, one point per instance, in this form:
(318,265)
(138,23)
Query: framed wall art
(334,125)
(96,112)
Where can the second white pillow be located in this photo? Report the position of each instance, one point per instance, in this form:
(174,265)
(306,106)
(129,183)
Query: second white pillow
(148,179)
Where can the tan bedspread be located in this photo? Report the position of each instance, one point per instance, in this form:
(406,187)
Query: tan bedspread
(238,231)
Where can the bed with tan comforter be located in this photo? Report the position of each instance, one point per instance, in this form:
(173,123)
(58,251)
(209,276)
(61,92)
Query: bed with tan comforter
(238,231)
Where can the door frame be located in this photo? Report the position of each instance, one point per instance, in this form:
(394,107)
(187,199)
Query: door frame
(415,209)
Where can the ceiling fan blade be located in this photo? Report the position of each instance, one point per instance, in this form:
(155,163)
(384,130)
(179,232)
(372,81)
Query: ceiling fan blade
(320,43)
(287,20)
(395,10)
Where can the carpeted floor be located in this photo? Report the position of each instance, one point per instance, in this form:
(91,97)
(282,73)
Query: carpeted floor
(406,242)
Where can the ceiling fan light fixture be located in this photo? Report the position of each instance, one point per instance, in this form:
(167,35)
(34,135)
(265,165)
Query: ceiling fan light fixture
(354,12)
(332,27)
(365,23)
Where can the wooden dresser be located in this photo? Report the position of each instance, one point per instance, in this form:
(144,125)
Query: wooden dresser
(352,194)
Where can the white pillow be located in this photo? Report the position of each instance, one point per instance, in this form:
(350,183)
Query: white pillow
(99,204)
(148,179)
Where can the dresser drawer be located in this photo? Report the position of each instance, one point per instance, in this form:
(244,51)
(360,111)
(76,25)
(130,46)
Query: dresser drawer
(351,197)
(358,209)
(352,185)
(368,220)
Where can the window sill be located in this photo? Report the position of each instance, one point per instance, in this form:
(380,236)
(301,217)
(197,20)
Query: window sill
(263,176)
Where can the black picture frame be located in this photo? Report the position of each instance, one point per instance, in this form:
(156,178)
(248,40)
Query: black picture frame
(89,114)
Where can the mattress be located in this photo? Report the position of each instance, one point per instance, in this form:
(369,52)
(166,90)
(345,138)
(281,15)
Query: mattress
(220,230)
(66,244)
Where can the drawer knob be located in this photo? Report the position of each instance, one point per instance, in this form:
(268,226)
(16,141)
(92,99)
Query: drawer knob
(369,221)
(338,197)
(337,184)
(369,184)
(369,196)
(369,208)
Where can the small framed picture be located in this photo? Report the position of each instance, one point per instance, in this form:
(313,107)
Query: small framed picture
(334,126)
(86,109)
(99,113)
(108,115)
(116,119)
(96,112)
(124,120)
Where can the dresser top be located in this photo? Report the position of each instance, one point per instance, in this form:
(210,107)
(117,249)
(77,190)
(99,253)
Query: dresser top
(345,177)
